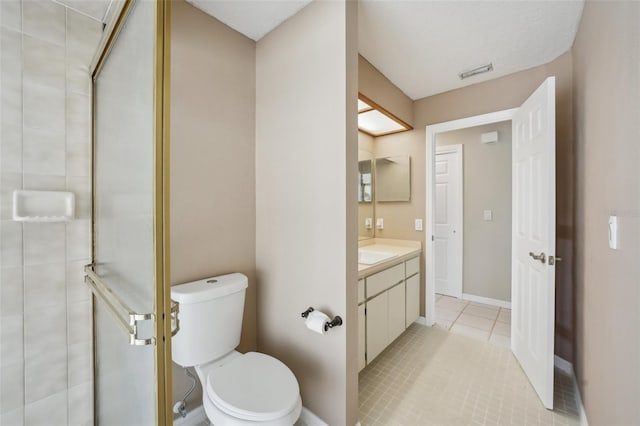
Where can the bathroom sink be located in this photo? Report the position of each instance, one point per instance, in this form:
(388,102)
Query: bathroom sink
(371,257)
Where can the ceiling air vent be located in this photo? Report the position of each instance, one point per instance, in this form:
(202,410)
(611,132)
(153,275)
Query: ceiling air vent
(476,71)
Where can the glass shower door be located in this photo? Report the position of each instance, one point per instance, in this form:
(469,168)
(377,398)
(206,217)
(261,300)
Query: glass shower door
(128,275)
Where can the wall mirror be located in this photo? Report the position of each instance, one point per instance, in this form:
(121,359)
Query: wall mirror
(365,195)
(393,178)
(365,181)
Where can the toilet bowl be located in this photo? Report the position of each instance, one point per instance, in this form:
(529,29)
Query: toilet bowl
(238,389)
(250,389)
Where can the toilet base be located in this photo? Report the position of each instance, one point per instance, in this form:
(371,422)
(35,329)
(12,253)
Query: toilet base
(220,418)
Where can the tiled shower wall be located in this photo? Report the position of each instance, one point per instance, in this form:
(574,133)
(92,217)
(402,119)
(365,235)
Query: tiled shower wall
(45,311)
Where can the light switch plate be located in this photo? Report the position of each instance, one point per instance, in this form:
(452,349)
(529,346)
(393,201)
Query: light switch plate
(418,224)
(613,232)
(488,215)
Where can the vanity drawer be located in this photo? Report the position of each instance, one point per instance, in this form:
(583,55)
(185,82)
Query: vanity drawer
(381,281)
(413,266)
(361,291)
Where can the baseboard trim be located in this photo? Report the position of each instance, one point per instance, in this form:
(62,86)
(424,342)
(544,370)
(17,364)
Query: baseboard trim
(486,300)
(194,417)
(310,419)
(421,321)
(429,320)
(567,367)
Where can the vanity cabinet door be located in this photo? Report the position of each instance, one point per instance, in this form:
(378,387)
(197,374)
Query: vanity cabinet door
(377,328)
(412,266)
(362,362)
(413,299)
(396,312)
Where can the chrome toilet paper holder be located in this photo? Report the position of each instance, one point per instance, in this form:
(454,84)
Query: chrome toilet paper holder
(335,322)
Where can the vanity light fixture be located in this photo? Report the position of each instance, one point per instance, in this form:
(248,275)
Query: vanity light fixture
(377,121)
(476,71)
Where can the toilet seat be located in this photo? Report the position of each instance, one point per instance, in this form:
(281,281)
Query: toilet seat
(254,387)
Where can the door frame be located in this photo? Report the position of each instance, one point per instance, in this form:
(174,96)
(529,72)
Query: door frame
(459,199)
(432,131)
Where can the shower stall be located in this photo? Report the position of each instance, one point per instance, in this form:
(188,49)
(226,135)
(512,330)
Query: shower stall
(86,318)
(129,272)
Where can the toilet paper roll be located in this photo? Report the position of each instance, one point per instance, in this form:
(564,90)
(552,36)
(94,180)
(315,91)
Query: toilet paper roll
(316,320)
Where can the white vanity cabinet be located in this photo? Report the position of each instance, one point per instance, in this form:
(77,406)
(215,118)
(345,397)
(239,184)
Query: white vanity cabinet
(390,303)
(412,279)
(377,313)
(362,348)
(412,299)
(362,360)
(396,318)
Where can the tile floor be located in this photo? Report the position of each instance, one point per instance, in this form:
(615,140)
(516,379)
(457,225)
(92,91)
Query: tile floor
(430,376)
(476,320)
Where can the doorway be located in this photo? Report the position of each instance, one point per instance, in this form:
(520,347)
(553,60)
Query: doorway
(444,139)
(473,232)
(533,230)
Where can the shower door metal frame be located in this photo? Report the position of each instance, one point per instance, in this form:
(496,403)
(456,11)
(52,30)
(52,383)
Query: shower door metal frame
(161,201)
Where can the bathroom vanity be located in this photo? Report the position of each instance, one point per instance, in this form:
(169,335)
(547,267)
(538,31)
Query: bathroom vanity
(388,293)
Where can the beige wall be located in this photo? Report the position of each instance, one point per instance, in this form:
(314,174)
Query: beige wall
(494,95)
(486,186)
(379,89)
(606,57)
(212,158)
(306,239)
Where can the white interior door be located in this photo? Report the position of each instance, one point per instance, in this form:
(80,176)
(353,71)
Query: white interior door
(448,220)
(534,238)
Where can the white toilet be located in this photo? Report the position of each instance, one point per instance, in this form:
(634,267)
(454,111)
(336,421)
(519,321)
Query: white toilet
(238,389)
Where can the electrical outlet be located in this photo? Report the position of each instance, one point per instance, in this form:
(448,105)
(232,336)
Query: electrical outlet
(418,224)
(380,223)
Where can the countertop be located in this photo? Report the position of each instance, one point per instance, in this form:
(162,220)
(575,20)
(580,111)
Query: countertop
(404,249)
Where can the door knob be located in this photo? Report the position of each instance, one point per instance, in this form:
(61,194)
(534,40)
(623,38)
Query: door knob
(553,260)
(541,257)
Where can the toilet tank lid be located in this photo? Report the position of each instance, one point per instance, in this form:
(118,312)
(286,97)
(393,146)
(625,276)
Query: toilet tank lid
(209,288)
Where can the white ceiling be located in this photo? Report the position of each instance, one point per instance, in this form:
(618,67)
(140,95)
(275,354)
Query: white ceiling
(97,9)
(253,18)
(422,45)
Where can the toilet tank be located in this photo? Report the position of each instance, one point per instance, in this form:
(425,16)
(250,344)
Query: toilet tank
(210,318)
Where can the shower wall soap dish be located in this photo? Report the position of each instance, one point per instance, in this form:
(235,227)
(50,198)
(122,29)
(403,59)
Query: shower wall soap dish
(43,206)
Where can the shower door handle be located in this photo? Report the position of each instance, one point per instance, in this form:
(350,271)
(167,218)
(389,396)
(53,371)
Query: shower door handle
(127,319)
